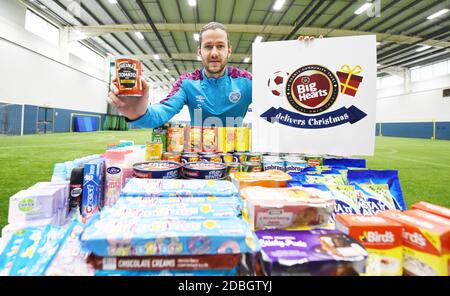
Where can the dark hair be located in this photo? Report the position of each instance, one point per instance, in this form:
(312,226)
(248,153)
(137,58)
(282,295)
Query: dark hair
(213,26)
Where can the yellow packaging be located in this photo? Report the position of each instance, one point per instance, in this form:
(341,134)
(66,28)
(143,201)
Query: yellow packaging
(225,139)
(426,244)
(382,239)
(242,139)
(153,151)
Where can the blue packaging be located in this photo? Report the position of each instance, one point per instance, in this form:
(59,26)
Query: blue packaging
(47,248)
(381,188)
(113,237)
(345,162)
(26,250)
(10,251)
(93,194)
(178,188)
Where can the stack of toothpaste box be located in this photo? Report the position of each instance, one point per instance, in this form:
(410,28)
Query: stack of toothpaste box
(171,227)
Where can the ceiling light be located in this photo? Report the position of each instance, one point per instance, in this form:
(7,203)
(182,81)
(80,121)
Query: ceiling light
(192,3)
(378,65)
(113,1)
(437,14)
(378,43)
(425,47)
(278,4)
(246,60)
(156,57)
(139,35)
(172,79)
(258,39)
(166,70)
(196,37)
(363,8)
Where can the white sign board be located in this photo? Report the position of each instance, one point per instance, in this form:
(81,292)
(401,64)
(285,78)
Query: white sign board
(315,97)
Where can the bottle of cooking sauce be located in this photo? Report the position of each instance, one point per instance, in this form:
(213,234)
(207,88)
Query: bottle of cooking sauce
(129,73)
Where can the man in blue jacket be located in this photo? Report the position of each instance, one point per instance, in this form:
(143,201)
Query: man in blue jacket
(217,95)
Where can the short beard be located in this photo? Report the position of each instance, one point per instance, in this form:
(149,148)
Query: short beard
(222,67)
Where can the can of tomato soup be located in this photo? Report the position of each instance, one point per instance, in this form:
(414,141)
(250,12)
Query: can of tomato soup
(129,76)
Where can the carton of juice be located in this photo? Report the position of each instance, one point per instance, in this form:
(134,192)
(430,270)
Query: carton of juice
(225,139)
(426,244)
(382,239)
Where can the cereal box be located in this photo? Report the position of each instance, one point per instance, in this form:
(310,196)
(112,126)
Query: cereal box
(382,239)
(225,139)
(425,244)
(242,139)
(209,139)
(431,208)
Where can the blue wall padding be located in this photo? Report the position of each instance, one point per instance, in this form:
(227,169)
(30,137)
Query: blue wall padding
(30,118)
(443,130)
(408,129)
(85,123)
(377,129)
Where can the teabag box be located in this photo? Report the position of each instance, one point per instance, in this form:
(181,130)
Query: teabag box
(426,244)
(382,239)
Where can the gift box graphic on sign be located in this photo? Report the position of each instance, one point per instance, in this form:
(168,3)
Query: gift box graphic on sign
(349,79)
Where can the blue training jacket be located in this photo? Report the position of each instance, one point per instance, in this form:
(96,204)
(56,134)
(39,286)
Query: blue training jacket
(210,100)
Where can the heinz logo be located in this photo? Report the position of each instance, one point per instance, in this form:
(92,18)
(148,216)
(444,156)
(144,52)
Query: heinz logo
(376,237)
(415,238)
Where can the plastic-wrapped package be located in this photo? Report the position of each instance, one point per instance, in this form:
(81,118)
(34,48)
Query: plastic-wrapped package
(311,252)
(291,207)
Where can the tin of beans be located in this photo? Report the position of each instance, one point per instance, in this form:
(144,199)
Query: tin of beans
(254,157)
(240,157)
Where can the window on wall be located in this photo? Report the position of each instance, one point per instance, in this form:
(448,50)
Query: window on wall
(430,71)
(42,28)
(389,81)
(86,54)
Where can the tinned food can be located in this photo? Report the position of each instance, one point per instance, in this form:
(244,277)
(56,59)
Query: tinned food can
(251,166)
(312,160)
(189,157)
(129,77)
(295,165)
(274,163)
(240,157)
(210,157)
(172,156)
(232,167)
(255,157)
(226,157)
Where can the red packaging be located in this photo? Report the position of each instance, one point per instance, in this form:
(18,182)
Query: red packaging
(129,76)
(432,208)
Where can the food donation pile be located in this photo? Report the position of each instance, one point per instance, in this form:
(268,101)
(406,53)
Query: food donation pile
(195,201)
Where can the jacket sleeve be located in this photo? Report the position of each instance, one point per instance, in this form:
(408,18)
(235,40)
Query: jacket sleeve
(160,113)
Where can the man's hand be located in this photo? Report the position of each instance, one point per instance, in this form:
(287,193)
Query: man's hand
(130,107)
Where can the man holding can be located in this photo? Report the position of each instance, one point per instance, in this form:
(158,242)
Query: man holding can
(216,95)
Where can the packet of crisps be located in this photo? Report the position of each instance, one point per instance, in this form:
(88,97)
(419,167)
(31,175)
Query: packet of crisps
(345,162)
(382,188)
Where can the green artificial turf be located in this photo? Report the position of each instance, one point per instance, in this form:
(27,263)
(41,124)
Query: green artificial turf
(424,165)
